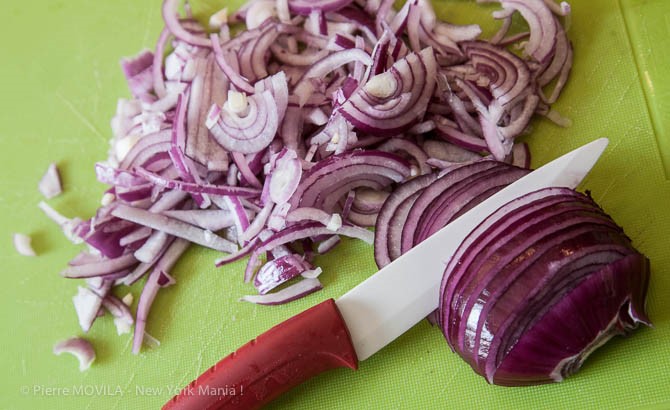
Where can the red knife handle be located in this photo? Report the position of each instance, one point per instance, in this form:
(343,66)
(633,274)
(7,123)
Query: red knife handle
(288,354)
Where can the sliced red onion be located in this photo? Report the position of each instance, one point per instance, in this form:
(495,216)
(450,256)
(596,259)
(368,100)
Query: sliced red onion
(327,245)
(146,299)
(247,125)
(332,222)
(362,219)
(458,33)
(158,79)
(288,294)
(79,348)
(234,205)
(500,139)
(210,86)
(305,86)
(460,139)
(369,200)
(174,227)
(258,224)
(117,177)
(391,102)
(258,12)
(241,253)
(397,144)
(445,151)
(197,188)
(164,263)
(150,290)
(99,268)
(283,180)
(521,155)
(233,75)
(312,273)
(574,232)
(139,75)
(173,24)
(454,190)
(559,68)
(305,7)
(50,185)
(327,182)
(387,231)
(542,26)
(277,220)
(209,219)
(139,151)
(297,232)
(153,246)
(509,75)
(422,127)
(248,175)
(618,316)
(278,271)
(22,244)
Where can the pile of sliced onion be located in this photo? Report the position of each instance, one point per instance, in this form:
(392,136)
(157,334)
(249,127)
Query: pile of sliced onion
(278,141)
(540,284)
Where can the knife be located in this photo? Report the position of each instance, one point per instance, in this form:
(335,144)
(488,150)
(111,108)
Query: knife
(342,332)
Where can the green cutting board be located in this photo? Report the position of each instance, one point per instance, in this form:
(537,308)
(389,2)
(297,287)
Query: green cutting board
(60,79)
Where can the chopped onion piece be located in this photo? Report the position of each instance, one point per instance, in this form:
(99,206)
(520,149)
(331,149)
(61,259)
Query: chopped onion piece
(22,245)
(86,303)
(312,273)
(50,185)
(79,348)
(291,293)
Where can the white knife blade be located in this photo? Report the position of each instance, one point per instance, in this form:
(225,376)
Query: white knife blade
(390,302)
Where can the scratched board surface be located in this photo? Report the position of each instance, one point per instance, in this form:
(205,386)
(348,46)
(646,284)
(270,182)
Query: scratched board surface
(60,79)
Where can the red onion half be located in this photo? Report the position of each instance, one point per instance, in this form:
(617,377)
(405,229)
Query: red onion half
(538,286)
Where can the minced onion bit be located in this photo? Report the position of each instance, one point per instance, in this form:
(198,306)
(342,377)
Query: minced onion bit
(22,244)
(277,142)
(79,348)
(50,185)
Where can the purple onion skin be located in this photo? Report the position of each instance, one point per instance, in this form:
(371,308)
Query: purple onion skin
(537,322)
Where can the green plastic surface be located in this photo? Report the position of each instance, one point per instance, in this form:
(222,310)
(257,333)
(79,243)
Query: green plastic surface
(648,24)
(60,80)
